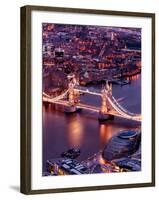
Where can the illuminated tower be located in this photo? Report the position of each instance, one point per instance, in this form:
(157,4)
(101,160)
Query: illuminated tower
(71,94)
(104,108)
(104,113)
(106,92)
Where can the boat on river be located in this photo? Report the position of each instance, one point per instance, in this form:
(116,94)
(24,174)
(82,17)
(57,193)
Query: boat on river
(71,153)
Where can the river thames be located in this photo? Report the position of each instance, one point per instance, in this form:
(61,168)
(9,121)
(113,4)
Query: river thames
(83,130)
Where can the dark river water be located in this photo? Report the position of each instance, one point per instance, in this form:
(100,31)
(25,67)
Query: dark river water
(83,130)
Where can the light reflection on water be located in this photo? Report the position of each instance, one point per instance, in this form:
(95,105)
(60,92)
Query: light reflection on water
(75,131)
(106,132)
(82,130)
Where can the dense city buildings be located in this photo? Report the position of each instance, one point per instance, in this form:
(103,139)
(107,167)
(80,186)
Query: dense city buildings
(93,53)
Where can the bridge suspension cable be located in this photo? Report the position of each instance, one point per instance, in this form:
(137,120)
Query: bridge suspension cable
(54,99)
(122,113)
(123,109)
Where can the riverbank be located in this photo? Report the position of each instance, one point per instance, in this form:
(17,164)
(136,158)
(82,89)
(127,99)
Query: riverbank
(120,79)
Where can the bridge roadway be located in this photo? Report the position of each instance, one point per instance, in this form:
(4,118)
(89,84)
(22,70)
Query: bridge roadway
(90,108)
(84,90)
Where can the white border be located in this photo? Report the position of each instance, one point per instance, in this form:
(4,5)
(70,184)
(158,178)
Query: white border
(39,182)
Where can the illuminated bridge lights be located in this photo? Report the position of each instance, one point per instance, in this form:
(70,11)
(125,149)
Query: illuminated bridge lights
(109,105)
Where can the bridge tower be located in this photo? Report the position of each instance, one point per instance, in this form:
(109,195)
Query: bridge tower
(108,88)
(106,91)
(105,107)
(73,96)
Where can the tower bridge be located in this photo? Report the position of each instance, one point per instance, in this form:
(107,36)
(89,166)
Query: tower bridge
(109,108)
